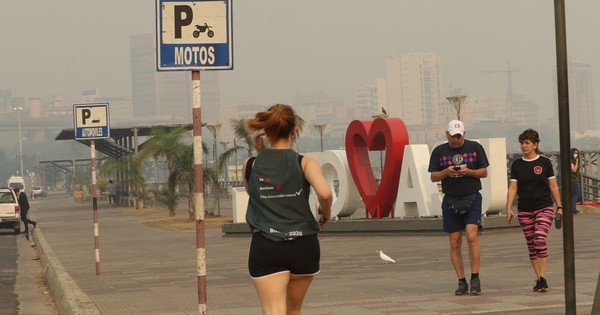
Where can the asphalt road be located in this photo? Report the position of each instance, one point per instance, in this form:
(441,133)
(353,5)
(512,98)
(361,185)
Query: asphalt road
(8,274)
(22,286)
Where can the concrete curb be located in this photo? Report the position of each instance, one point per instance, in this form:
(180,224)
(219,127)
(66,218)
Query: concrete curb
(68,296)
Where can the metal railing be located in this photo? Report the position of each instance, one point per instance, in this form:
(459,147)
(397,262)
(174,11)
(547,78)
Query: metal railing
(590,189)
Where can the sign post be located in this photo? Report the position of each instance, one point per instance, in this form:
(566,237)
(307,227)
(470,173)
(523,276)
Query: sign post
(92,121)
(195,35)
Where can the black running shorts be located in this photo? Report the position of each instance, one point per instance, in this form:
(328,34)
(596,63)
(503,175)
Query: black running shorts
(300,256)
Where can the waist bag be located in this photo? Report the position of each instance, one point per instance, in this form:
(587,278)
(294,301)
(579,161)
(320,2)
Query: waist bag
(462,205)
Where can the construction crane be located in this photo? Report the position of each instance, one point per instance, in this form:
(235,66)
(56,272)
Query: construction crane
(509,95)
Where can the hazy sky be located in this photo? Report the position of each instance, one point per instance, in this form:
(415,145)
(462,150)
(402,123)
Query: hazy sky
(282,46)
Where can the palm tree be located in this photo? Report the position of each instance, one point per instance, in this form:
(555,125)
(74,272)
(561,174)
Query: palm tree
(164,143)
(246,140)
(130,167)
(169,198)
(170,145)
(183,173)
(243,135)
(246,143)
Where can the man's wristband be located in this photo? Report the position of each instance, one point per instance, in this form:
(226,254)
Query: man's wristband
(559,207)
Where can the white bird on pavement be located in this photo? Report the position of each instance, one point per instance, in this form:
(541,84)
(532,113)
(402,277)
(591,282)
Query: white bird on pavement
(386,259)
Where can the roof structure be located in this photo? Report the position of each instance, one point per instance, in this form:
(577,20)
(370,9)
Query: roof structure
(122,141)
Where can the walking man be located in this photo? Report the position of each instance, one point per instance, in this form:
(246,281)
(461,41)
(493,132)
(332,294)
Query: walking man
(460,164)
(24,205)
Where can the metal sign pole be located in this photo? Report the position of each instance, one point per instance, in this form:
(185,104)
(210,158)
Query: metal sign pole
(565,157)
(195,35)
(92,121)
(199,193)
(95,207)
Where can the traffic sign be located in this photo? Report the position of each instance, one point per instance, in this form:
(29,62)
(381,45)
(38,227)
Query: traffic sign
(92,121)
(194,35)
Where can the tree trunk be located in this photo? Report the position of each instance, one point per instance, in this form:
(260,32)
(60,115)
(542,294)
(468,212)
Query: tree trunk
(139,203)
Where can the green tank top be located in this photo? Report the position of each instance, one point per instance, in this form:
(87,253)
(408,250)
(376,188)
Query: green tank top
(278,205)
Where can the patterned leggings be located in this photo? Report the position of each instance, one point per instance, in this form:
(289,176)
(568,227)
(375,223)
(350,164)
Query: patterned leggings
(535,226)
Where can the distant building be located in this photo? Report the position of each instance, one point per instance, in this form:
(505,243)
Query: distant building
(319,107)
(6,101)
(581,97)
(413,87)
(370,100)
(120,108)
(166,96)
(525,113)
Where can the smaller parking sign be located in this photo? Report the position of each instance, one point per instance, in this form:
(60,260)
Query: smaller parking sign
(92,121)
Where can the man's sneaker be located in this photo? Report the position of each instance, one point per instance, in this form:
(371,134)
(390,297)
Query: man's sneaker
(576,211)
(475,286)
(543,285)
(463,288)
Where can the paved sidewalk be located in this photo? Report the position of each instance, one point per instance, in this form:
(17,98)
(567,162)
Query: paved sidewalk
(151,271)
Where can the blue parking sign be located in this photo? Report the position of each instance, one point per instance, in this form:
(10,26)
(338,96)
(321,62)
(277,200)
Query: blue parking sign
(92,121)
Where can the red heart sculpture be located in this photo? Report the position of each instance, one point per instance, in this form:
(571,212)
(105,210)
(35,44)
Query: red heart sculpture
(388,134)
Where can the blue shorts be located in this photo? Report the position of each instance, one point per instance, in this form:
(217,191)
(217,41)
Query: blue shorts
(453,222)
(300,256)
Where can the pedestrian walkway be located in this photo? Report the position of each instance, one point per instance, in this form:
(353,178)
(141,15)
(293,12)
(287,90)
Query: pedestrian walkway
(148,270)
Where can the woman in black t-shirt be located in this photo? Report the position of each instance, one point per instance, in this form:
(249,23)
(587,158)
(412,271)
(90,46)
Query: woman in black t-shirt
(532,179)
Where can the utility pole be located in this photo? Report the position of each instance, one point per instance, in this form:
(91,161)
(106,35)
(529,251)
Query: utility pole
(509,94)
(214,129)
(19,109)
(225,144)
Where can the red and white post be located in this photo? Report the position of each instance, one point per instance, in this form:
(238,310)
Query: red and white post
(95,206)
(199,193)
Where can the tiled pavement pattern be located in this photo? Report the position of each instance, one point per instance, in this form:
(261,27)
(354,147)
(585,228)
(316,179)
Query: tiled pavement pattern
(151,271)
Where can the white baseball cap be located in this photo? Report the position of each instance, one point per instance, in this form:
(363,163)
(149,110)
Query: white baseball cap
(455,127)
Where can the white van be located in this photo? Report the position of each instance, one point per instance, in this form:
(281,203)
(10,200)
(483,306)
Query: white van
(16,182)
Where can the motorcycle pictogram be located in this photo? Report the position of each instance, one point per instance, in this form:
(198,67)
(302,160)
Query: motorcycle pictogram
(202,29)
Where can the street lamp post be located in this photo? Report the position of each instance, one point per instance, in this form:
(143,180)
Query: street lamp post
(236,161)
(19,109)
(214,129)
(320,128)
(225,144)
(456,101)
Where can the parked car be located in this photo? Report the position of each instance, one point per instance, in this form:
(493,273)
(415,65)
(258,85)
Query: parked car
(10,212)
(39,191)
